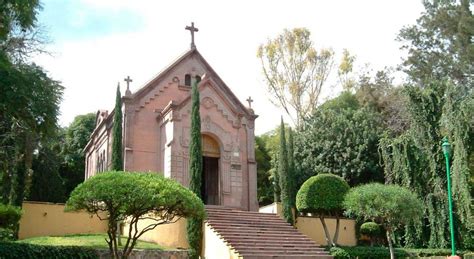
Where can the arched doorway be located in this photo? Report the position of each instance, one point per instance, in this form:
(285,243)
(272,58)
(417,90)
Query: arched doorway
(210,170)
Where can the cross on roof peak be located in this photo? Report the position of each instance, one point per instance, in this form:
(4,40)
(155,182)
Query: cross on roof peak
(128,80)
(192,29)
(250,101)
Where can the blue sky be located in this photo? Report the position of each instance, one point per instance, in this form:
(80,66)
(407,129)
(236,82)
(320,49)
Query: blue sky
(67,20)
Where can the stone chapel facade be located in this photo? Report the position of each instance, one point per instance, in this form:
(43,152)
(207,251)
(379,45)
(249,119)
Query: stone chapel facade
(156,132)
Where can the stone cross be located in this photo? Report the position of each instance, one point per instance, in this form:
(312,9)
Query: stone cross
(192,29)
(128,80)
(250,101)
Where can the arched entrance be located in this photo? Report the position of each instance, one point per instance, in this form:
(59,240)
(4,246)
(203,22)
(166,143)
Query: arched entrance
(210,170)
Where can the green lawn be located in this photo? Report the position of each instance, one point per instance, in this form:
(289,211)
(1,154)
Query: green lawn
(85,240)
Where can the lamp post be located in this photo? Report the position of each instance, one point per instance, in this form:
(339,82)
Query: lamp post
(446,150)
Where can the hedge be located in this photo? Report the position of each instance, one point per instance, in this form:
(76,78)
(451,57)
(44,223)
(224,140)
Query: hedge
(368,252)
(11,250)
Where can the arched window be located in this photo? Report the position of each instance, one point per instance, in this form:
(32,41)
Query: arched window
(187,79)
(198,79)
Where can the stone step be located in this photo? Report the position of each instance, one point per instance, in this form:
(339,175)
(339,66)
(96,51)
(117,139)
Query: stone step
(243,227)
(272,242)
(261,235)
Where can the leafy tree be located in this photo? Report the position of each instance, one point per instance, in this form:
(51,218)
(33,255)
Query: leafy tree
(414,160)
(17,13)
(29,103)
(440,44)
(29,107)
(47,183)
(117,160)
(389,205)
(345,71)
(76,136)
(264,184)
(341,137)
(284,177)
(130,196)
(194,227)
(295,71)
(323,195)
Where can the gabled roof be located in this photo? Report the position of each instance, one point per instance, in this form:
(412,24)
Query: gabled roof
(192,52)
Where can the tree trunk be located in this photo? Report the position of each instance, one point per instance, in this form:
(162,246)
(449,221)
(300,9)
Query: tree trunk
(326,232)
(389,240)
(336,234)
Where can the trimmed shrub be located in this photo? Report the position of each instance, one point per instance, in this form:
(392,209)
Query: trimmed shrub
(322,194)
(9,215)
(370,229)
(9,218)
(368,252)
(12,250)
(339,253)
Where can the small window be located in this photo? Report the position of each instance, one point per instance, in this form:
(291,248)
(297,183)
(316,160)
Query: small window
(187,80)
(198,79)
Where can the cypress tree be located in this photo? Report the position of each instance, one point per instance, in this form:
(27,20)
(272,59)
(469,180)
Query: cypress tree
(117,161)
(291,171)
(283,174)
(194,227)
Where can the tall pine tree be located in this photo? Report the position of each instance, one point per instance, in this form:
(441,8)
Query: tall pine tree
(117,161)
(283,175)
(194,227)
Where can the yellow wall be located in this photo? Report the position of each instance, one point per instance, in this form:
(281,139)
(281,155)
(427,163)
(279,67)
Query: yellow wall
(49,219)
(168,235)
(214,247)
(313,228)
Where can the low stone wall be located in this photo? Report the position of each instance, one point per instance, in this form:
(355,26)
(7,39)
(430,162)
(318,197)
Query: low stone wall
(149,254)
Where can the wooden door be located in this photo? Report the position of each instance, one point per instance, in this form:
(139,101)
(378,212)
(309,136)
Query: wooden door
(210,180)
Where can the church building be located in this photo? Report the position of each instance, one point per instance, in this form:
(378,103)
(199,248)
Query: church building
(156,133)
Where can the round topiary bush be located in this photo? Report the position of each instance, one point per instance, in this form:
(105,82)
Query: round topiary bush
(370,229)
(321,194)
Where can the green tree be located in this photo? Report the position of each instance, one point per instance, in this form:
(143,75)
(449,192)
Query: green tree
(440,45)
(292,173)
(345,70)
(117,160)
(156,198)
(295,71)
(264,184)
(342,138)
(284,177)
(323,195)
(22,14)
(46,172)
(388,205)
(29,103)
(415,160)
(194,226)
(29,107)
(76,136)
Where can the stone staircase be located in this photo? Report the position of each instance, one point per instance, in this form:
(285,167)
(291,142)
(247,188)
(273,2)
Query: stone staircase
(261,235)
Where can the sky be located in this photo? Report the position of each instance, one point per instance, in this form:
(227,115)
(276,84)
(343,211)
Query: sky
(96,44)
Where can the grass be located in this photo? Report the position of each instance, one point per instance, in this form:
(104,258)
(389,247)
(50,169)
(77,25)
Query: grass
(84,240)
